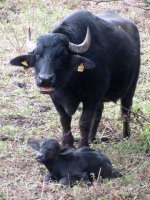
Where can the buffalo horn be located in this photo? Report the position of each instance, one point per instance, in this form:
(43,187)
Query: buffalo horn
(81,48)
(30,46)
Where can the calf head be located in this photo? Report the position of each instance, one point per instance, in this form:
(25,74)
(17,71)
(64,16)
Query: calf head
(47,149)
(54,60)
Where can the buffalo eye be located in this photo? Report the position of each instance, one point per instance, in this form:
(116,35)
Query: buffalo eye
(64,53)
(50,149)
(37,53)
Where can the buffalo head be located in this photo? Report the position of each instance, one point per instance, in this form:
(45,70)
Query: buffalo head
(55,59)
(47,149)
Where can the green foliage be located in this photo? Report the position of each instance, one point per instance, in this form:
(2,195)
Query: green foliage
(147,1)
(3,198)
(103,198)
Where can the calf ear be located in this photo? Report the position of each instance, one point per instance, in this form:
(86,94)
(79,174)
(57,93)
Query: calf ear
(67,150)
(35,144)
(25,61)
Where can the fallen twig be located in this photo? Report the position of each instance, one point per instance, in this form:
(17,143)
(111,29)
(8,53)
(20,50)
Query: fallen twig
(136,6)
(4,138)
(102,1)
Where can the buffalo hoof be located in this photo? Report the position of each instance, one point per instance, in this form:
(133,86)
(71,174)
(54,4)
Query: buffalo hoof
(83,144)
(67,140)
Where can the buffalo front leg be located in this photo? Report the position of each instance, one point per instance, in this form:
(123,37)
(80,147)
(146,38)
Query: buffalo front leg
(65,119)
(95,122)
(67,139)
(85,123)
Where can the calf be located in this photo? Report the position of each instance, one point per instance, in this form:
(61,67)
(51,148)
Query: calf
(70,165)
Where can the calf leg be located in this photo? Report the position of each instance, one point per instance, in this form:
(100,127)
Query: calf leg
(68,181)
(48,176)
(71,180)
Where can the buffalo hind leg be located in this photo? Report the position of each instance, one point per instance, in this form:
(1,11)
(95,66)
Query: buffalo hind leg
(126,104)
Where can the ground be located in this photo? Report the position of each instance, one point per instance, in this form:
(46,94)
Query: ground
(25,113)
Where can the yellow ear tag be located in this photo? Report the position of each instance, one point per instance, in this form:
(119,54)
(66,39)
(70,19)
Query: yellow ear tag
(25,64)
(81,68)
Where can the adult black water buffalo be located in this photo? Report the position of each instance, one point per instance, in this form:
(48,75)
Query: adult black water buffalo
(91,59)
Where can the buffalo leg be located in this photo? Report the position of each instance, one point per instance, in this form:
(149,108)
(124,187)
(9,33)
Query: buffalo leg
(95,122)
(126,104)
(86,122)
(67,139)
(125,112)
(65,119)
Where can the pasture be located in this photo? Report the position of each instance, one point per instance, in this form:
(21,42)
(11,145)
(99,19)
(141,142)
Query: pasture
(25,113)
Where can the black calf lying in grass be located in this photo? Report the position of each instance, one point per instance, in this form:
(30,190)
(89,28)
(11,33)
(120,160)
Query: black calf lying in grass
(71,165)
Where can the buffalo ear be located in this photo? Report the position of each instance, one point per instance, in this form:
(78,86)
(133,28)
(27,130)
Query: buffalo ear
(86,64)
(35,144)
(81,63)
(25,61)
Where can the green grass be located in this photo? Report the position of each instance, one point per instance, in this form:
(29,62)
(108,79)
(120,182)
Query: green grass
(25,113)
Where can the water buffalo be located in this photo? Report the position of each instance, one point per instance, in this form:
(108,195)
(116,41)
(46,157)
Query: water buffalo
(88,59)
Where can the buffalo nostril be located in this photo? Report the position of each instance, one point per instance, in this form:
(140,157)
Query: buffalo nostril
(46,77)
(39,156)
(39,81)
(44,80)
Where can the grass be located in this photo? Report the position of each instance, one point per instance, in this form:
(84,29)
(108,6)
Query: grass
(25,113)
